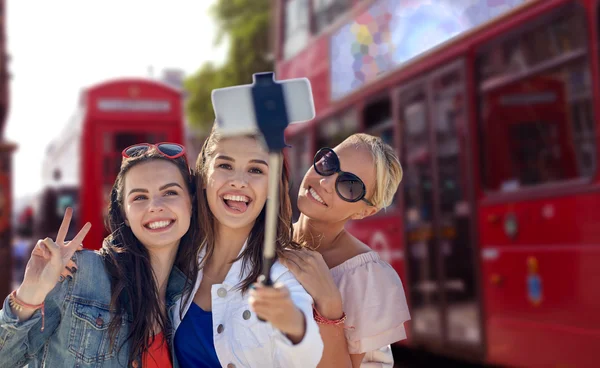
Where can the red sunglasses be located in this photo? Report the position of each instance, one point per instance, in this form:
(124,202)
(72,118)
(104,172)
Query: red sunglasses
(167,149)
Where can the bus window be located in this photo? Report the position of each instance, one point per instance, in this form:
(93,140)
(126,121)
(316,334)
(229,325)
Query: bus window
(536,120)
(333,132)
(378,122)
(325,12)
(297,27)
(300,160)
(415,159)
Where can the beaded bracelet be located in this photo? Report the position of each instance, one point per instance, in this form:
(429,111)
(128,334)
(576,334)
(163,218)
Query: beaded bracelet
(324,321)
(18,305)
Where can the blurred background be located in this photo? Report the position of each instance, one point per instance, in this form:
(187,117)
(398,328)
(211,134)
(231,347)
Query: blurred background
(491,105)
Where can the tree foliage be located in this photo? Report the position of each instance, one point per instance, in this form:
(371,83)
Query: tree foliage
(245,24)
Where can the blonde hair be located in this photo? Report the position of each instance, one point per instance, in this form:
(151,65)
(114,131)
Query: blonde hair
(388,171)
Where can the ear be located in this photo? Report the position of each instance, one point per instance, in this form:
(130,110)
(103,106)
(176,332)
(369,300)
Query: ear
(369,211)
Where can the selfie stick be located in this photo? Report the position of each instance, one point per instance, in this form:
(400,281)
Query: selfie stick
(266,107)
(272,119)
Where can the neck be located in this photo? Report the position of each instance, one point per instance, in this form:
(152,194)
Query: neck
(228,244)
(162,262)
(318,234)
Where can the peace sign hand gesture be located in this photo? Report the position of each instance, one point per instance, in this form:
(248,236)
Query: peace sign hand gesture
(48,260)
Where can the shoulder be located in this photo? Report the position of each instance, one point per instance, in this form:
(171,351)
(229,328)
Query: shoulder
(365,264)
(280,273)
(366,280)
(374,301)
(89,258)
(91,279)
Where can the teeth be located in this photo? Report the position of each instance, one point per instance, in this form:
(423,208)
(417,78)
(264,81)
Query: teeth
(158,224)
(237,198)
(316,196)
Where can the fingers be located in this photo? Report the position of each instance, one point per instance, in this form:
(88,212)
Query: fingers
(64,226)
(51,246)
(263,298)
(78,248)
(40,250)
(291,265)
(307,254)
(278,291)
(71,266)
(78,239)
(268,300)
(69,270)
(294,259)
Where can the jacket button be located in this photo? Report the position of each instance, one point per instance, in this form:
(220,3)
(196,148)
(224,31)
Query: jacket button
(246,315)
(230,365)
(222,292)
(220,328)
(99,321)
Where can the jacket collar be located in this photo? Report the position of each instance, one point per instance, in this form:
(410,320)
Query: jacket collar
(235,275)
(175,286)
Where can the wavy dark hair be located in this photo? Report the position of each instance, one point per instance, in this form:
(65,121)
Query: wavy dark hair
(252,255)
(127,261)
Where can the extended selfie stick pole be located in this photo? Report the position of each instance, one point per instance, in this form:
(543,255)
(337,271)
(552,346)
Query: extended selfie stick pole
(272,119)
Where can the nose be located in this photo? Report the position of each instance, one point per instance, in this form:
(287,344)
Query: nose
(238,180)
(327,183)
(156,205)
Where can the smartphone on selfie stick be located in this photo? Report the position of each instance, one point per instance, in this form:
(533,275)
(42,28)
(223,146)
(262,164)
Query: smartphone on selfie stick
(266,107)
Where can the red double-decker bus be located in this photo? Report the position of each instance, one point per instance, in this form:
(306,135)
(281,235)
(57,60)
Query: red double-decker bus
(490,106)
(82,163)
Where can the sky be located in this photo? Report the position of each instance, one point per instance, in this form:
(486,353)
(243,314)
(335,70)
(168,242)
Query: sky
(58,47)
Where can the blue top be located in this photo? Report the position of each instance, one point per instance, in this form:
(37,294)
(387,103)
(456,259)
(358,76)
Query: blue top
(194,345)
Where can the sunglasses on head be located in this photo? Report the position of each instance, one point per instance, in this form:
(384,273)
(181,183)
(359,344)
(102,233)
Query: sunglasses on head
(348,186)
(167,149)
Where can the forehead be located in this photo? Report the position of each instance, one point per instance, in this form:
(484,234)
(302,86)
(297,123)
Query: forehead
(351,151)
(357,159)
(241,147)
(153,174)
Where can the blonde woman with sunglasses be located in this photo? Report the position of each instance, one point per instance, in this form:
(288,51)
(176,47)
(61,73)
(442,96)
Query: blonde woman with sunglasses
(360,303)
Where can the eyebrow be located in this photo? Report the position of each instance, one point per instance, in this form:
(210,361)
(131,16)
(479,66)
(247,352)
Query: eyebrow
(140,190)
(256,161)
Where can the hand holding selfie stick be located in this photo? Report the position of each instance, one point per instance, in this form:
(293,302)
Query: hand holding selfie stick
(265,107)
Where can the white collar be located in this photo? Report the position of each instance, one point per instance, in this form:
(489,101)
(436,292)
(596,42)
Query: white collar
(234,276)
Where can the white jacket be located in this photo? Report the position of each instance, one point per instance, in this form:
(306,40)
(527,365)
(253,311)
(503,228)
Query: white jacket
(241,340)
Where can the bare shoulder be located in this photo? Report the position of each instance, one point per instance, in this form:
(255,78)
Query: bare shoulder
(348,247)
(354,246)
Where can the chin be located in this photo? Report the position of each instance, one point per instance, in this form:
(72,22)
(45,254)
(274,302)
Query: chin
(237,223)
(161,244)
(309,208)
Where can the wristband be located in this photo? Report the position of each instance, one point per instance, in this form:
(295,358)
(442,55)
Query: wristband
(19,305)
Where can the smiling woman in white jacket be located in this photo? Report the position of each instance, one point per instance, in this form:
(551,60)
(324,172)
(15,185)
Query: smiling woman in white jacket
(219,325)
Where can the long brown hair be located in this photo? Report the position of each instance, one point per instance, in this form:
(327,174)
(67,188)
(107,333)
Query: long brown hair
(134,289)
(252,256)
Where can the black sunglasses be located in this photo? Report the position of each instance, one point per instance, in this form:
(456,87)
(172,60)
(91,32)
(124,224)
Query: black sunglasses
(348,186)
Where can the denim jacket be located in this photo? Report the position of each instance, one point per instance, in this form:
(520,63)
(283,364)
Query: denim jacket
(77,316)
